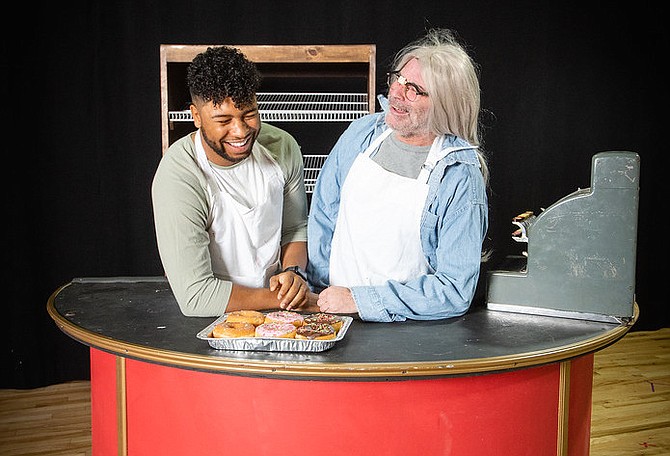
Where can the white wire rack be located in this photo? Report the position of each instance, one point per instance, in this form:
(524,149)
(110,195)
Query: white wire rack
(301,107)
(312,165)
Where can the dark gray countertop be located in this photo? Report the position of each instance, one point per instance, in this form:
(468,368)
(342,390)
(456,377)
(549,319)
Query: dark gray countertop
(138,317)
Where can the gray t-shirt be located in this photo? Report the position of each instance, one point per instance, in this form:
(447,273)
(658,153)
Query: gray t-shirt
(401,158)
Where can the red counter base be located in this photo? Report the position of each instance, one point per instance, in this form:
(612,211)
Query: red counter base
(141,408)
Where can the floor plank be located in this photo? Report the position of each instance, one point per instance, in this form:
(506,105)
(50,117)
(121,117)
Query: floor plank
(631,396)
(54,420)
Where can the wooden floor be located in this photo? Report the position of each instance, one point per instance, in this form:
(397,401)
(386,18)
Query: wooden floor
(631,396)
(631,406)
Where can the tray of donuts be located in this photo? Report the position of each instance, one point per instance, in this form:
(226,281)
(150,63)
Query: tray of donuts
(283,331)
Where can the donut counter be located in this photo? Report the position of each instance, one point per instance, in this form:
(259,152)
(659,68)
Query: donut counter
(489,382)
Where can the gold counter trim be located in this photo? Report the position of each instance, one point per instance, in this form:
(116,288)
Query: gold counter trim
(563,409)
(121,407)
(340,370)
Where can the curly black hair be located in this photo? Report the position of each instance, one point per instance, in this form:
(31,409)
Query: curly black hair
(222,72)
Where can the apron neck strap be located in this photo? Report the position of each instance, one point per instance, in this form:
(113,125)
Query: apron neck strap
(436,154)
(377,142)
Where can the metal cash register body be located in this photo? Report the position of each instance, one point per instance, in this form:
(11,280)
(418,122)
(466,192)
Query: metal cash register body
(580,260)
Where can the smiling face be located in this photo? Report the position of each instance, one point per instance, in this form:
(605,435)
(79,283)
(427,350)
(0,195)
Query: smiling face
(228,132)
(409,119)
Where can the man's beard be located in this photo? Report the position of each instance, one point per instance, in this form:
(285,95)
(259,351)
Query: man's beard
(220,147)
(411,126)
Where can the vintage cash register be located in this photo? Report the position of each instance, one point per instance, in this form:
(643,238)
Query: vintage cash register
(581,251)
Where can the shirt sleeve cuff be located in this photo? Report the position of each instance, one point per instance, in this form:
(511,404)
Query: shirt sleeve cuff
(369,304)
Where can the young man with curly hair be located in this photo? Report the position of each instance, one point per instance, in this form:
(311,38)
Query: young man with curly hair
(229,201)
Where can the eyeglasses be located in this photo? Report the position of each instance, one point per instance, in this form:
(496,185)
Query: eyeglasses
(412,91)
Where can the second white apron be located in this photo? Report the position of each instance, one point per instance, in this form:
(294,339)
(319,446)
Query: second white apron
(245,217)
(377,234)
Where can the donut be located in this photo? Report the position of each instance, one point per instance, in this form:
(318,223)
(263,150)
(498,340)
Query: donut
(246,316)
(234,329)
(334,320)
(285,316)
(281,330)
(316,331)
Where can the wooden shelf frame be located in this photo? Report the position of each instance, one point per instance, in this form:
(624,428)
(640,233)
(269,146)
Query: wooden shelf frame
(288,54)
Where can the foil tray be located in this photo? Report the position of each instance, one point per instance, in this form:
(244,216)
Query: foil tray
(274,344)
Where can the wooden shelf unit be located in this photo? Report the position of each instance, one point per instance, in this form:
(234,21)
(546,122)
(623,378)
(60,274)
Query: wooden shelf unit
(281,64)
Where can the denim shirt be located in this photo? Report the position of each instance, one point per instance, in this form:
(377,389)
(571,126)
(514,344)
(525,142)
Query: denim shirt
(453,225)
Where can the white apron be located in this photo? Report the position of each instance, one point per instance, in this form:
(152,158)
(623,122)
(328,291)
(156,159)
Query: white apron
(377,234)
(245,217)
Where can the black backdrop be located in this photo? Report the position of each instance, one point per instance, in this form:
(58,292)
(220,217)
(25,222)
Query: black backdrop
(82,114)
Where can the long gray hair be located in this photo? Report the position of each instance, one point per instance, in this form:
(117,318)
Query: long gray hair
(452,81)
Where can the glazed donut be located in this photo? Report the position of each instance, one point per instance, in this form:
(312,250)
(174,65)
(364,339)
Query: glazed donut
(281,330)
(246,316)
(316,331)
(334,320)
(285,316)
(234,329)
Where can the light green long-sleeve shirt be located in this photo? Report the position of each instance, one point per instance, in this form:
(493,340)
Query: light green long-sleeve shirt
(181,206)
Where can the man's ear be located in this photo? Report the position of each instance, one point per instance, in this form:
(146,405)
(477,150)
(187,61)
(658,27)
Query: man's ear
(196,115)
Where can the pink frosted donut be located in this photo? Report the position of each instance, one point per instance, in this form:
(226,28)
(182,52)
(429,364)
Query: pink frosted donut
(282,330)
(285,316)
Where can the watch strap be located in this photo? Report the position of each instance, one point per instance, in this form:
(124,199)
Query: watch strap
(298,271)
